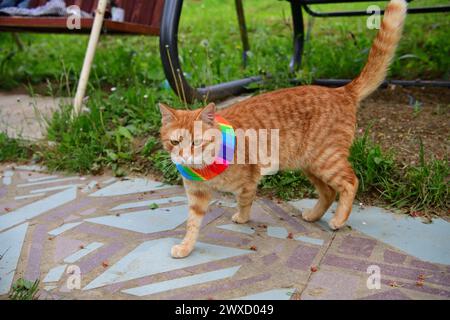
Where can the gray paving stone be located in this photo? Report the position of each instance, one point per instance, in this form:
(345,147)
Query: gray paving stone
(59,222)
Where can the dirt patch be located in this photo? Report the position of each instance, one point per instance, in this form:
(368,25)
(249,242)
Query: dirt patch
(400,117)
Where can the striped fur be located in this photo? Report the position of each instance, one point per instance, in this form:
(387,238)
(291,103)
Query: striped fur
(316,128)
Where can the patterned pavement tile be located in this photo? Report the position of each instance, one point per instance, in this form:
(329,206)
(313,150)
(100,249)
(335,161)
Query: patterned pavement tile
(399,231)
(276,294)
(146,221)
(357,246)
(63,228)
(91,247)
(129,187)
(394,294)
(36,208)
(394,257)
(237,228)
(147,203)
(153,257)
(10,246)
(64,247)
(331,285)
(55,274)
(55,227)
(182,282)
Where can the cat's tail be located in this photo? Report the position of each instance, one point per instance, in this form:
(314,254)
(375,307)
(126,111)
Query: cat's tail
(382,51)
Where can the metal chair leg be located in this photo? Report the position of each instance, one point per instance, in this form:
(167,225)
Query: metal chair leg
(243,30)
(299,34)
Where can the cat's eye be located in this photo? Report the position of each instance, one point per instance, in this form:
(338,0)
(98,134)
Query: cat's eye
(175,142)
(197,142)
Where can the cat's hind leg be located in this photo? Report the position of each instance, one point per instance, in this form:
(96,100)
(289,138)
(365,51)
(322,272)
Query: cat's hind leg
(345,183)
(245,199)
(326,198)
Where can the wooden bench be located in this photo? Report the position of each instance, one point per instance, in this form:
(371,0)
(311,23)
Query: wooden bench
(142,17)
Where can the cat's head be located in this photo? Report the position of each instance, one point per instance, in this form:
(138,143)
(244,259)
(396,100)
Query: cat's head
(190,136)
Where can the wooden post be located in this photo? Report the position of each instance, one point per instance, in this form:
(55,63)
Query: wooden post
(88,59)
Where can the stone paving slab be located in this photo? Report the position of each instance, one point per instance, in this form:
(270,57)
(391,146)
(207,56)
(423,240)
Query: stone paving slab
(96,237)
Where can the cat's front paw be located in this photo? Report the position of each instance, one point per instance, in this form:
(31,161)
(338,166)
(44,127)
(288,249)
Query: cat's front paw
(335,224)
(309,215)
(181,251)
(238,218)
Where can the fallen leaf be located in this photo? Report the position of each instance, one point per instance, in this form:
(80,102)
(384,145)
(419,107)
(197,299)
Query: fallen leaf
(415,214)
(394,284)
(316,291)
(153,206)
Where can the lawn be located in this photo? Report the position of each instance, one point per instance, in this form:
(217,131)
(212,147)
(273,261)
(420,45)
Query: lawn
(119,132)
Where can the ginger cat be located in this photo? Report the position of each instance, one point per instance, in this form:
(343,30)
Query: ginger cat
(316,128)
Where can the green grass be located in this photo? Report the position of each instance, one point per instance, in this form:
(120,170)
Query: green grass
(14,149)
(424,187)
(24,290)
(337,48)
(287,185)
(120,129)
(371,165)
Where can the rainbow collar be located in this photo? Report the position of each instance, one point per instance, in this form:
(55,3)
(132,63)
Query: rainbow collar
(223,159)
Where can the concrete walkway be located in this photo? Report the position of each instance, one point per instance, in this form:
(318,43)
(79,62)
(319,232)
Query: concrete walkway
(23,116)
(97,238)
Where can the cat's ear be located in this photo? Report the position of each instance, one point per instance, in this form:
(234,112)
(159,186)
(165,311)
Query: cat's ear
(207,114)
(167,114)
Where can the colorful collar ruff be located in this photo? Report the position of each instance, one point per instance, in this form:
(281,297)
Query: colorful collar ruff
(223,159)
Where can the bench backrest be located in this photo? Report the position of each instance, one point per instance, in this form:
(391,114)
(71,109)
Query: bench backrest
(145,12)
